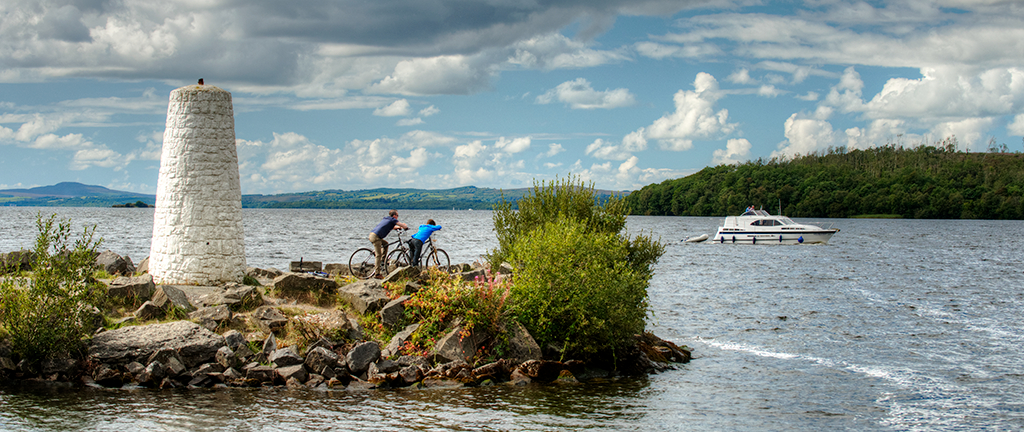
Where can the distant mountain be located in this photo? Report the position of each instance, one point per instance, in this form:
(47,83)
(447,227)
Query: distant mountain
(67,190)
(71,194)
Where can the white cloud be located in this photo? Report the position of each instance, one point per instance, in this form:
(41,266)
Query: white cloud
(970,131)
(631,143)
(410,122)
(1017,126)
(578,94)
(553,149)
(694,118)
(741,76)
(555,51)
(429,111)
(451,74)
(768,91)
(804,136)
(736,150)
(514,145)
(397,108)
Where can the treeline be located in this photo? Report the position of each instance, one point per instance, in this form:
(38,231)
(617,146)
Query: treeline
(927,182)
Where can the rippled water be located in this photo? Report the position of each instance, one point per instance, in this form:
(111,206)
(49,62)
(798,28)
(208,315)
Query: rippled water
(894,325)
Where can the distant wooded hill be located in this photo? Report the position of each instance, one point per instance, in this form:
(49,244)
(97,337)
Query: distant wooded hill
(925,182)
(469,197)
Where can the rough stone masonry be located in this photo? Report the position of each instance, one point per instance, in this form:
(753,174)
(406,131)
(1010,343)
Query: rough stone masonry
(197,225)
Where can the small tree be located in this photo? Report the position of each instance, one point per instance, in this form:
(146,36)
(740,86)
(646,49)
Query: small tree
(46,315)
(579,282)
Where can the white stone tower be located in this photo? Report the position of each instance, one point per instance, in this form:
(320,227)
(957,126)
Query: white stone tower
(197,226)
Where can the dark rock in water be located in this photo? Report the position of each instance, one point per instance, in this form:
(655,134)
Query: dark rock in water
(107,377)
(321,358)
(114,264)
(194,344)
(541,370)
(261,373)
(360,357)
(297,372)
(140,288)
(66,367)
(365,296)
(285,357)
(495,371)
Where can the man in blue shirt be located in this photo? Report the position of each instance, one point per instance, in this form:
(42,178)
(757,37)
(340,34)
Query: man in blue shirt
(416,242)
(380,246)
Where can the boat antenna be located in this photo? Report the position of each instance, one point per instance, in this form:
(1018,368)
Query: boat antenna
(780,206)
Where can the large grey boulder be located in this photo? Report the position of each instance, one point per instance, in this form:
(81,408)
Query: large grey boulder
(365,296)
(395,345)
(193,344)
(167,296)
(299,285)
(285,357)
(402,273)
(521,345)
(453,346)
(320,358)
(360,357)
(392,312)
(114,264)
(141,288)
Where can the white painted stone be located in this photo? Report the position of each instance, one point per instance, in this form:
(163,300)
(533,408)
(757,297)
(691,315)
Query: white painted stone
(197,225)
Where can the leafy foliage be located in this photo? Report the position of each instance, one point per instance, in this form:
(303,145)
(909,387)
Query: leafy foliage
(927,182)
(579,282)
(48,314)
(480,303)
(579,289)
(548,202)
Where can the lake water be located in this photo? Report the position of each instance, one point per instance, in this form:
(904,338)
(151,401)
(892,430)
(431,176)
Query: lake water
(894,325)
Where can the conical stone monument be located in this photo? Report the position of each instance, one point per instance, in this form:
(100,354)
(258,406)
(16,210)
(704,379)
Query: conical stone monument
(197,226)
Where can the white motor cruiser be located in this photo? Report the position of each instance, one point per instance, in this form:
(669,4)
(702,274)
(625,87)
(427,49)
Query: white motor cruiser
(759,227)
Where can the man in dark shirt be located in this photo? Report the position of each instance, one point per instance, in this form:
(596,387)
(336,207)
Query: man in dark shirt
(380,246)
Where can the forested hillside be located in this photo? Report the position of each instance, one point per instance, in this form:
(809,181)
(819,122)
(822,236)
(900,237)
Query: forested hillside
(925,182)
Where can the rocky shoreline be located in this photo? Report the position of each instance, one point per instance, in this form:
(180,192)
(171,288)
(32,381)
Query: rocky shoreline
(228,336)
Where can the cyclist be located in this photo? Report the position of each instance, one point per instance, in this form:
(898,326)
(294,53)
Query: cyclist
(416,242)
(380,246)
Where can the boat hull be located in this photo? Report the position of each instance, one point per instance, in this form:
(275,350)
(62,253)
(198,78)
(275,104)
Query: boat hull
(774,237)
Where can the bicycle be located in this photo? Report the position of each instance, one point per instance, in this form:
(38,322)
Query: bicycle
(363,260)
(430,255)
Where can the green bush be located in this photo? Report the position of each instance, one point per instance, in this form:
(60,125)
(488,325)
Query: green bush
(48,314)
(579,282)
(577,289)
(548,202)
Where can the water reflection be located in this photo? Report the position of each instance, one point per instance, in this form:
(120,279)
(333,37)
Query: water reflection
(612,405)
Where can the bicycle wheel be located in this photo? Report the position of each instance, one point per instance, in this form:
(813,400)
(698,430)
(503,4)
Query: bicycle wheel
(439,258)
(398,258)
(361,263)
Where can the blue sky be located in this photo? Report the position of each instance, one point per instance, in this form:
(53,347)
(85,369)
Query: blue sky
(439,94)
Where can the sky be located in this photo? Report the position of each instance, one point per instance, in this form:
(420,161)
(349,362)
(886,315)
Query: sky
(434,94)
